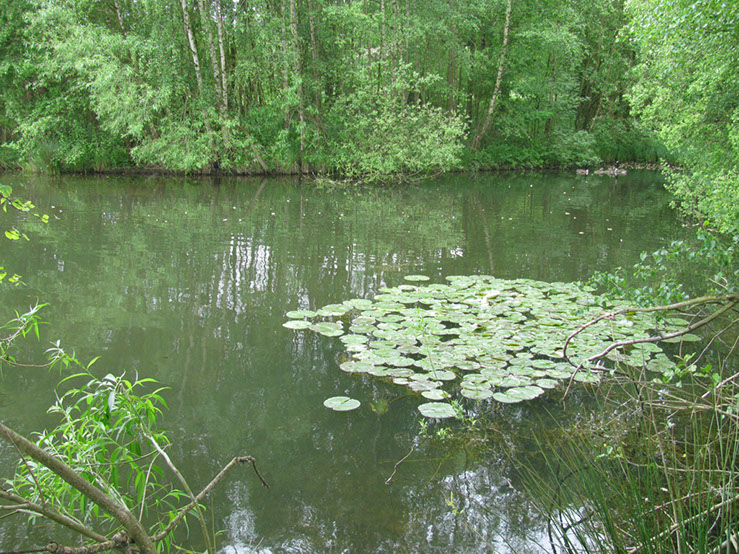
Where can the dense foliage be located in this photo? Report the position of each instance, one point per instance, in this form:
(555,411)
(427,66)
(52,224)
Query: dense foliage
(687,90)
(352,87)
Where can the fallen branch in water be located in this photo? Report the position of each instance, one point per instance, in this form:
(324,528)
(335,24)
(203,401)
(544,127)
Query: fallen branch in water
(395,469)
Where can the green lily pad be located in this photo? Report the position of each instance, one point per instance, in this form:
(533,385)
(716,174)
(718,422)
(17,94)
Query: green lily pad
(341,403)
(435,394)
(327,328)
(357,367)
(333,310)
(419,386)
(301,314)
(489,332)
(442,375)
(439,410)
(297,324)
(546,383)
(476,394)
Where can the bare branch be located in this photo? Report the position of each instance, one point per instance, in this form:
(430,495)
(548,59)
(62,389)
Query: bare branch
(731,298)
(395,469)
(196,500)
(730,301)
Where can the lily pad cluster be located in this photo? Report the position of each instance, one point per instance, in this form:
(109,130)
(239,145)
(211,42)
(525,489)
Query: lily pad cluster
(481,337)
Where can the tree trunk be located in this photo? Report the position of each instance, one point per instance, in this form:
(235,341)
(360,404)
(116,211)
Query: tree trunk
(222,49)
(205,23)
(120,17)
(496,92)
(314,57)
(298,71)
(193,48)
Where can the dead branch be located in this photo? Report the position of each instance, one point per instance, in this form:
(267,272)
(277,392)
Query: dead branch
(732,299)
(395,469)
(729,301)
(196,500)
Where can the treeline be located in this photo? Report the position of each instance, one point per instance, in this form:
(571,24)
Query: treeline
(360,88)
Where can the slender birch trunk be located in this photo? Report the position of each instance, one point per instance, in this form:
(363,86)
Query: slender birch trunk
(298,71)
(314,56)
(191,43)
(222,50)
(120,16)
(496,92)
(205,22)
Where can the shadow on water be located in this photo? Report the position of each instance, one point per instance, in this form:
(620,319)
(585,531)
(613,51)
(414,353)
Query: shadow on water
(189,283)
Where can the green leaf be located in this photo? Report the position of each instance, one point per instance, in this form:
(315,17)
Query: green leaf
(416,278)
(341,403)
(301,314)
(297,324)
(438,410)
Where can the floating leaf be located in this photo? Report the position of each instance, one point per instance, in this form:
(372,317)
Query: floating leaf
(419,386)
(327,328)
(301,314)
(442,375)
(341,403)
(357,367)
(297,324)
(546,383)
(489,332)
(333,310)
(435,394)
(477,394)
(439,410)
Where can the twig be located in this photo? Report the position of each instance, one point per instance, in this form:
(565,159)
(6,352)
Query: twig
(188,490)
(733,300)
(395,469)
(146,485)
(54,515)
(30,471)
(716,336)
(242,459)
(676,526)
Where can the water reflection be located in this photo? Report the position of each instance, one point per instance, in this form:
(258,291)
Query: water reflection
(189,282)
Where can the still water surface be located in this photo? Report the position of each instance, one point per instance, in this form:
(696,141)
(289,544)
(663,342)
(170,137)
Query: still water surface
(188,281)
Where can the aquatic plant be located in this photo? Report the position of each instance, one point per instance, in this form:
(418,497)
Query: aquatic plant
(486,338)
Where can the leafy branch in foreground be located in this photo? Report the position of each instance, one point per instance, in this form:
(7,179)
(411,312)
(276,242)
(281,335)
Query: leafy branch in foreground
(710,262)
(98,472)
(7,200)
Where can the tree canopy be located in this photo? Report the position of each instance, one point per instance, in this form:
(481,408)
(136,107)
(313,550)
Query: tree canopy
(354,87)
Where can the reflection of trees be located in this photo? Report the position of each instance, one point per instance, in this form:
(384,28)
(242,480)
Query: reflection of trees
(562,228)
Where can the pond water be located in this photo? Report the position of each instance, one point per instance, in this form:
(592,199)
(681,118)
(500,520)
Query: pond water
(188,281)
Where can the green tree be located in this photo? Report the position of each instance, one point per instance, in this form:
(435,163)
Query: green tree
(686,90)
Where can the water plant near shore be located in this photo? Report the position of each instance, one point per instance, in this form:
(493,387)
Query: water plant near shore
(487,338)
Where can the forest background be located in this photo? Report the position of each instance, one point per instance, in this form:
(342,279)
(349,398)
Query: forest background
(363,88)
